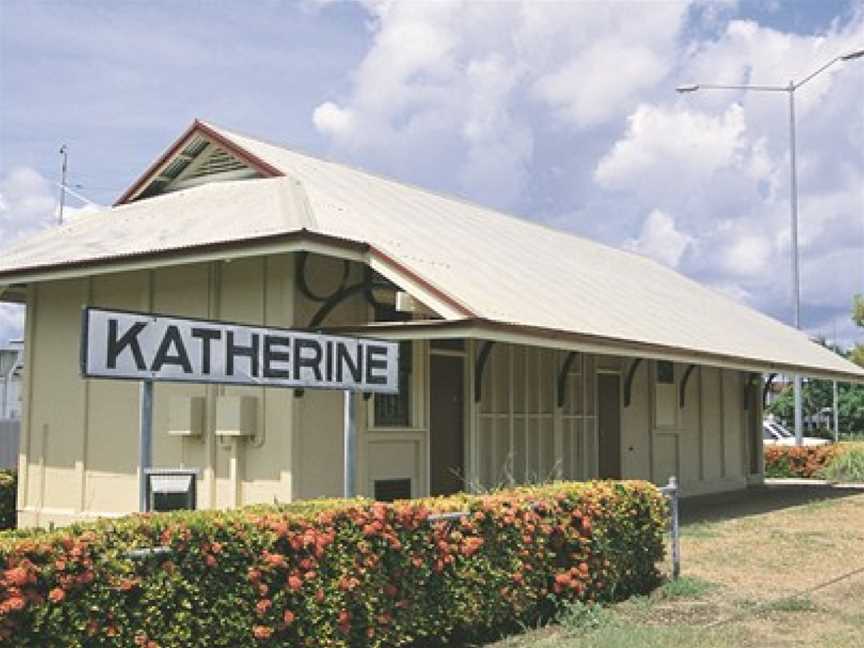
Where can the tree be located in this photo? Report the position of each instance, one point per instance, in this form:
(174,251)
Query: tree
(858,310)
(817,395)
(857,354)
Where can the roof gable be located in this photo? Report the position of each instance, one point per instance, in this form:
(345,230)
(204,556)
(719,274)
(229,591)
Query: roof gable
(199,156)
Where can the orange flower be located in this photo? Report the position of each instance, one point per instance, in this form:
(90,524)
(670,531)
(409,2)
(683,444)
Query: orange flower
(288,617)
(85,577)
(262,632)
(275,560)
(343,620)
(471,546)
(294,583)
(13,604)
(563,579)
(263,606)
(17,576)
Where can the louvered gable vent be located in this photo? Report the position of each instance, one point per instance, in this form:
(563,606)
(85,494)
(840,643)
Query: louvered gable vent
(199,162)
(219,161)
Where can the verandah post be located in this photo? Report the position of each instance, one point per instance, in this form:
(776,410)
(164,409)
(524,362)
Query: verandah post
(145,441)
(349,471)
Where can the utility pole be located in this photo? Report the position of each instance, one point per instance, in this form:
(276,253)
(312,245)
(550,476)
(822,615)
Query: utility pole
(64,152)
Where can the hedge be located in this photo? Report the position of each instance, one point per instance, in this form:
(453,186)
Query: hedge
(795,461)
(8,496)
(343,573)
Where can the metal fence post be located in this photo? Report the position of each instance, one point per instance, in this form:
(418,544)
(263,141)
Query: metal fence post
(676,531)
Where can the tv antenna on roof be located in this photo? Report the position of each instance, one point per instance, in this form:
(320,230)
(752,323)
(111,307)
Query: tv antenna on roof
(64,151)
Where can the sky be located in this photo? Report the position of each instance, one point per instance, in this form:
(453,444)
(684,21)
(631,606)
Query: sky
(560,112)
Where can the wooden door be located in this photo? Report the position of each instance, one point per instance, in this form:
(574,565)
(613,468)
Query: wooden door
(609,425)
(446,425)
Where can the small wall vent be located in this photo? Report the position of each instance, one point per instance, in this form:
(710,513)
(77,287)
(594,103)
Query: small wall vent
(390,490)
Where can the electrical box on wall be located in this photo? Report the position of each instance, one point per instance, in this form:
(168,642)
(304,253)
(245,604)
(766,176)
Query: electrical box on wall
(236,416)
(186,415)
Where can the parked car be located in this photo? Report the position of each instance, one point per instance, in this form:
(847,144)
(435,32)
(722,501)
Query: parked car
(775,434)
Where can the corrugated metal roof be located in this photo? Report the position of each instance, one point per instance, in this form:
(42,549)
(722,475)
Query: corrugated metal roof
(503,268)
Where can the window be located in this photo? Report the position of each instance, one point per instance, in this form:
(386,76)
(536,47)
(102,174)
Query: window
(394,410)
(665,372)
(665,406)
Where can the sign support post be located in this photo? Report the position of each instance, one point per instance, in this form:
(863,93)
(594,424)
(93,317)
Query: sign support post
(349,469)
(145,441)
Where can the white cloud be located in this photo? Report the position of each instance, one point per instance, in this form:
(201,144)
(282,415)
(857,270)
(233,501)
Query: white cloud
(28,202)
(661,142)
(586,92)
(660,239)
(332,120)
(453,92)
(748,255)
(720,162)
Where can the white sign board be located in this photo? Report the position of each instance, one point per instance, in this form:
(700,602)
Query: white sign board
(145,346)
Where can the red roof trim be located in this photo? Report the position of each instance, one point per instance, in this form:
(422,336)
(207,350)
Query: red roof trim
(268,170)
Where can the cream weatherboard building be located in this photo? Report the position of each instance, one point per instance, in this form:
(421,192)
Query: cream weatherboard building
(526,354)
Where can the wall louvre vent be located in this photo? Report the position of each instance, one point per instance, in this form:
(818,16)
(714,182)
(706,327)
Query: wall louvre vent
(390,490)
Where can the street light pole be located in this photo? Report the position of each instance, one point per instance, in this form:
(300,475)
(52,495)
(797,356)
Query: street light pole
(796,277)
(793,202)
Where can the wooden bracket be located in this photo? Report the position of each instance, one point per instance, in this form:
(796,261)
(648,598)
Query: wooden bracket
(628,384)
(562,376)
(482,358)
(684,380)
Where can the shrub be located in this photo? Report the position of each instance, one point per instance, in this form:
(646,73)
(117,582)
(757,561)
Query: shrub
(8,497)
(350,573)
(847,466)
(794,461)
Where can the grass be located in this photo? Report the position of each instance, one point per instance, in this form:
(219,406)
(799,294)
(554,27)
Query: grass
(686,587)
(749,573)
(847,467)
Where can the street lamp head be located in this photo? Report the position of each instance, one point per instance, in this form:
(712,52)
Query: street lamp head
(690,87)
(852,55)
